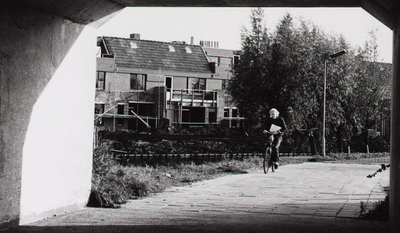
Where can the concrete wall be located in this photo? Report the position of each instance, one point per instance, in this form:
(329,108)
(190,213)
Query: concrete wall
(118,82)
(60,137)
(220,105)
(394,201)
(33,44)
(179,83)
(214,84)
(46,93)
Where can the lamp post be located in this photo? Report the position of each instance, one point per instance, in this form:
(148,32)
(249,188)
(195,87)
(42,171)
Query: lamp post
(340,53)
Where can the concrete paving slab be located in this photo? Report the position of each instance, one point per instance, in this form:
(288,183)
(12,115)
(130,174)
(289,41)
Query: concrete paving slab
(309,197)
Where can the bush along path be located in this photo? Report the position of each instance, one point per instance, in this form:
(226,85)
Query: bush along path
(380,212)
(114,184)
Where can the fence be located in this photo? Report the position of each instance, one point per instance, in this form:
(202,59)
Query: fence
(120,154)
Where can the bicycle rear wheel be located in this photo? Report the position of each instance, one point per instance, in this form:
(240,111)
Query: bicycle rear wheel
(266,162)
(272,165)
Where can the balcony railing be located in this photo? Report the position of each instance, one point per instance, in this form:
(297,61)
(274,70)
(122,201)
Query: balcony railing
(190,97)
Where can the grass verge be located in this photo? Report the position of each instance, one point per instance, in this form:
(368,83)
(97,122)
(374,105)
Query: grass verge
(114,184)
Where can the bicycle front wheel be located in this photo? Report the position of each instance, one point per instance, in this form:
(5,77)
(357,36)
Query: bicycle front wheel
(266,162)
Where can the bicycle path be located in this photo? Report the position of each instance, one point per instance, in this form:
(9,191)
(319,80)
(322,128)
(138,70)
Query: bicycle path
(308,197)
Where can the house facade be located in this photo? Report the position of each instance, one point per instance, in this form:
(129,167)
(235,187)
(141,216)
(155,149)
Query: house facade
(224,60)
(150,84)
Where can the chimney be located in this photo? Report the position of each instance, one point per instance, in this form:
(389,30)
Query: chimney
(192,40)
(135,36)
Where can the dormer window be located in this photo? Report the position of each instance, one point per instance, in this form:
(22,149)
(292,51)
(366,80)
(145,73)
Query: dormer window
(133,45)
(171,48)
(188,50)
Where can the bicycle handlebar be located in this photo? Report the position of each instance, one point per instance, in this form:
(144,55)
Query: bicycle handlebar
(266,131)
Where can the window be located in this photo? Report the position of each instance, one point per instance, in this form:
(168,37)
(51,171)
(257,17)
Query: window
(236,59)
(202,83)
(121,109)
(101,80)
(212,115)
(198,83)
(142,109)
(171,48)
(188,50)
(234,112)
(168,83)
(226,112)
(98,108)
(138,81)
(132,107)
(234,124)
(108,55)
(133,45)
(224,84)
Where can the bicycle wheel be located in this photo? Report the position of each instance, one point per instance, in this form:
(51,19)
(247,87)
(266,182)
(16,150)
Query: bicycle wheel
(266,163)
(271,164)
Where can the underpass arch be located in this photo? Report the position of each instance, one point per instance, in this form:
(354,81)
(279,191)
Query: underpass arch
(22,40)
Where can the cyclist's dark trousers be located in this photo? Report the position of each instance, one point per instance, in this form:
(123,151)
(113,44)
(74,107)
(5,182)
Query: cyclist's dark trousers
(275,148)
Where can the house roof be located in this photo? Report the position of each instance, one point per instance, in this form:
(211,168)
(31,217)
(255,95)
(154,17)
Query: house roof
(155,55)
(219,52)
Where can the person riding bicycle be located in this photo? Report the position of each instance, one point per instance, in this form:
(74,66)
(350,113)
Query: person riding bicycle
(275,126)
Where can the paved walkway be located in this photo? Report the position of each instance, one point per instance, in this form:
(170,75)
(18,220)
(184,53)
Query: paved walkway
(308,197)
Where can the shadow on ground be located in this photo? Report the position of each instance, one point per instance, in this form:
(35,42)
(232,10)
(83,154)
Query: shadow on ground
(269,223)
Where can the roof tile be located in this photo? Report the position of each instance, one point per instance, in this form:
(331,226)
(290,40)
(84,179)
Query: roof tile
(145,54)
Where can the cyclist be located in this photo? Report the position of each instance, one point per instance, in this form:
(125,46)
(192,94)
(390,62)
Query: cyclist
(275,126)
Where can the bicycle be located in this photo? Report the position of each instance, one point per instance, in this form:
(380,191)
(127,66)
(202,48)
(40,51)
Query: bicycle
(268,162)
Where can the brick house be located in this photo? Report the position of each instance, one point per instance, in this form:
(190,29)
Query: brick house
(224,60)
(142,84)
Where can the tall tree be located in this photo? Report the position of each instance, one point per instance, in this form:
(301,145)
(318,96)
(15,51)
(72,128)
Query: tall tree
(282,70)
(285,70)
(249,81)
(370,84)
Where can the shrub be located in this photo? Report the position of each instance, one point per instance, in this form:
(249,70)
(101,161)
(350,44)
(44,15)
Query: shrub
(107,184)
(114,184)
(380,212)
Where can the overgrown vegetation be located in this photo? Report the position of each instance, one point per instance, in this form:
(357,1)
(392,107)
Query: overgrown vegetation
(355,156)
(380,211)
(154,143)
(285,69)
(114,184)
(233,141)
(190,146)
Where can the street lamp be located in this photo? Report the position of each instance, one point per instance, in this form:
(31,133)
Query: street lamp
(335,55)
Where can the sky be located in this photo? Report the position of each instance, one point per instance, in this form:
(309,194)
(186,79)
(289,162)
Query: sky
(225,24)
